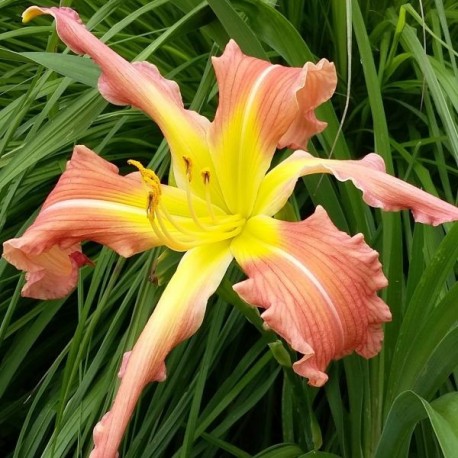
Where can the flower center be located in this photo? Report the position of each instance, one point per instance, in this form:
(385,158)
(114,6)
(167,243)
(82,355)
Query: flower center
(201,222)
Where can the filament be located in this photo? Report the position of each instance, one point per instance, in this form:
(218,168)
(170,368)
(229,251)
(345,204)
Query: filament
(182,232)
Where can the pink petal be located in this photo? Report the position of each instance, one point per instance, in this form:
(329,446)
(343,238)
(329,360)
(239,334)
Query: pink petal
(368,174)
(261,106)
(141,85)
(318,286)
(177,316)
(91,201)
(320,82)
(385,191)
(51,275)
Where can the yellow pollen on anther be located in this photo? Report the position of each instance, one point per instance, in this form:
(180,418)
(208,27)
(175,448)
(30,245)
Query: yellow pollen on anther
(148,176)
(153,184)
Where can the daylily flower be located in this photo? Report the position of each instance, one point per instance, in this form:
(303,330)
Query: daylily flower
(318,285)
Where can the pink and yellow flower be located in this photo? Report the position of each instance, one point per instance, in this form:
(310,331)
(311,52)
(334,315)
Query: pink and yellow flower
(318,285)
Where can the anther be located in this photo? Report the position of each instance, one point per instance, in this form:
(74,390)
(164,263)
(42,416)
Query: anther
(205,173)
(148,176)
(151,205)
(188,164)
(153,184)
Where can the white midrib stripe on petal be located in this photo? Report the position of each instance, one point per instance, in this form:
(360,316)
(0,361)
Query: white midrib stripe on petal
(248,108)
(96,203)
(302,268)
(253,96)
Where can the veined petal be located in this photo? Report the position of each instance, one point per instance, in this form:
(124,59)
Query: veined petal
(320,82)
(177,316)
(141,85)
(51,275)
(318,286)
(91,201)
(261,106)
(368,174)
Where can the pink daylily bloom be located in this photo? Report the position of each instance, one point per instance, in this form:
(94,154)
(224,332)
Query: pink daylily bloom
(318,285)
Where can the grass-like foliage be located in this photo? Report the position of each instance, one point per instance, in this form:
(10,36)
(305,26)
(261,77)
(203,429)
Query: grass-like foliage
(226,393)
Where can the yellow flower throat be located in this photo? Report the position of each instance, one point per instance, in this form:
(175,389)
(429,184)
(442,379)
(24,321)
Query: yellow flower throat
(180,231)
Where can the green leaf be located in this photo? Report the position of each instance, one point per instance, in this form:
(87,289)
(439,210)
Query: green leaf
(237,28)
(61,131)
(412,44)
(425,323)
(410,408)
(275,30)
(80,69)
(281,451)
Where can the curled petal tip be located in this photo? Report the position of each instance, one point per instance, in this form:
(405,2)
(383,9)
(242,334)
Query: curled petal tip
(50,273)
(32,12)
(315,377)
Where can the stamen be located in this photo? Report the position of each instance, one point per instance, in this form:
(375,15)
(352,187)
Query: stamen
(187,238)
(222,225)
(164,234)
(150,207)
(188,164)
(174,222)
(152,182)
(205,173)
(185,243)
(187,235)
(148,176)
